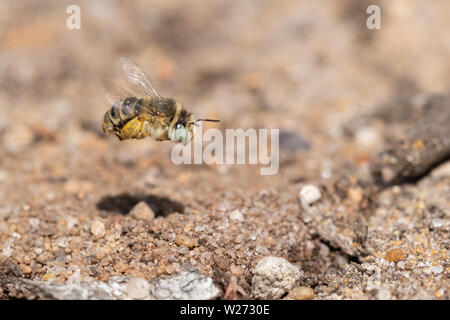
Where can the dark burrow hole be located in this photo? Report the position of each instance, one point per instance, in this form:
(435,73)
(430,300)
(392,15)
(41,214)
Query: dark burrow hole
(124,202)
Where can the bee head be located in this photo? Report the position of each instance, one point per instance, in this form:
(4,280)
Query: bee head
(183,130)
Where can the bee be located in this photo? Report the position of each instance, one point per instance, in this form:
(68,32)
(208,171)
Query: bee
(150,114)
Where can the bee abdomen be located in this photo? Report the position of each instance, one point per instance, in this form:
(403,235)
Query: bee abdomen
(128,108)
(125,110)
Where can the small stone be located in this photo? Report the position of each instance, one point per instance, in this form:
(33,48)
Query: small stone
(26,269)
(427,270)
(7,251)
(437,269)
(71,222)
(49,277)
(367,137)
(236,215)
(222,263)
(395,255)
(225,206)
(442,171)
(98,229)
(273,277)
(183,250)
(355,194)
(142,211)
(184,240)
(138,288)
(383,294)
(34,222)
(436,223)
(170,269)
(300,293)
(309,194)
(236,270)
(120,267)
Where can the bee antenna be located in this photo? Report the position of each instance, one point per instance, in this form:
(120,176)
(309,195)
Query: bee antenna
(210,120)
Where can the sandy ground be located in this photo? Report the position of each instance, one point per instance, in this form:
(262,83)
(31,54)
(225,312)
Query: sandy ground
(363,115)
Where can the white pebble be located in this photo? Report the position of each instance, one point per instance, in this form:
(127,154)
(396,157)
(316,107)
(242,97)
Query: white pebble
(34,222)
(273,277)
(436,223)
(71,222)
(367,137)
(138,288)
(309,194)
(98,229)
(236,215)
(7,251)
(437,269)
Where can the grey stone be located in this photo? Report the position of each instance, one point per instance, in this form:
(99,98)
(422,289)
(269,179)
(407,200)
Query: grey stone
(273,277)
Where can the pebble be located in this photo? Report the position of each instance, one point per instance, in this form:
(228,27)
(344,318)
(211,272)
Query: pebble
(7,251)
(442,171)
(395,255)
(236,215)
(236,270)
(98,229)
(300,293)
(121,267)
(436,223)
(273,277)
(142,211)
(138,288)
(184,240)
(26,269)
(437,269)
(309,194)
(49,277)
(34,222)
(355,194)
(367,137)
(71,222)
(183,250)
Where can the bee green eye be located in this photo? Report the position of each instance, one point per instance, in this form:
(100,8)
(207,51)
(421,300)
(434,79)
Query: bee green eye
(180,133)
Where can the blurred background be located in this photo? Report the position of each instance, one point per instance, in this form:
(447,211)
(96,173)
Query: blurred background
(302,66)
(308,68)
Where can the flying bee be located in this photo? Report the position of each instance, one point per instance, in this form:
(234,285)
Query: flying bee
(150,114)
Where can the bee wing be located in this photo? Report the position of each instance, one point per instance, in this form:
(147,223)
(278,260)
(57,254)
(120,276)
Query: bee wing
(137,79)
(111,98)
(114,92)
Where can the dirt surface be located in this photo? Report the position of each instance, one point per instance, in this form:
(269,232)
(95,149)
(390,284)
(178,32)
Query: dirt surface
(363,115)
